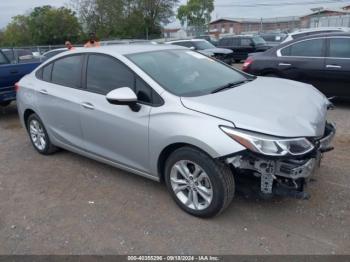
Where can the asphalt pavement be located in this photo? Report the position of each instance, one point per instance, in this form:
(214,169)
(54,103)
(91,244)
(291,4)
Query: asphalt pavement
(68,204)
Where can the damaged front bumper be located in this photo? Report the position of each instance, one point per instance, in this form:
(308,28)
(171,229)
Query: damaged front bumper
(284,176)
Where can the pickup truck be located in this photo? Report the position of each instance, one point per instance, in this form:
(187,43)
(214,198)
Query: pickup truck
(11,71)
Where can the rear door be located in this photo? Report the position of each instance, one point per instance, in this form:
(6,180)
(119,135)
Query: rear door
(59,95)
(303,61)
(246,47)
(115,132)
(337,67)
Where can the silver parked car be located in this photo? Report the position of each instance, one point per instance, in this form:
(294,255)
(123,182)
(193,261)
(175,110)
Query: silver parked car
(194,123)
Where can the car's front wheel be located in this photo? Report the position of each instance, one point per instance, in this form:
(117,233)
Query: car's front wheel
(200,185)
(38,135)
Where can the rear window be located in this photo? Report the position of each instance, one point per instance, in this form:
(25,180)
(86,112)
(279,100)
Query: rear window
(339,47)
(67,71)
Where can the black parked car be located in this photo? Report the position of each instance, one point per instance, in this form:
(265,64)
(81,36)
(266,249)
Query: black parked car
(321,60)
(242,45)
(206,48)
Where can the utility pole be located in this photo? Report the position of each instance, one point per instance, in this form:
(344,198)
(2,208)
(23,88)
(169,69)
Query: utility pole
(318,10)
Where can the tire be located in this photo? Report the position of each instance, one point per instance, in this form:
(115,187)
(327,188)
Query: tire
(38,135)
(212,182)
(5,103)
(237,60)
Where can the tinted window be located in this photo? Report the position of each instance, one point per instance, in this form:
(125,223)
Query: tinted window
(339,47)
(225,42)
(47,72)
(3,59)
(143,91)
(246,41)
(67,71)
(188,74)
(309,48)
(105,74)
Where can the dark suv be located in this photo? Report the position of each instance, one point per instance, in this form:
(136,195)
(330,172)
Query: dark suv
(242,45)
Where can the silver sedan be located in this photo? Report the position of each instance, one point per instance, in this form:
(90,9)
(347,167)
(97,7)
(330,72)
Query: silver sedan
(174,115)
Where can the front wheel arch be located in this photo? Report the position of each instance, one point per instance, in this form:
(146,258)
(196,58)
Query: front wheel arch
(166,152)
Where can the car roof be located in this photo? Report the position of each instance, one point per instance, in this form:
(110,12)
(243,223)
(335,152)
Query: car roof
(124,49)
(320,29)
(187,40)
(322,34)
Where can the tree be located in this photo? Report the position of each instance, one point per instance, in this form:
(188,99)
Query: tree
(17,32)
(124,18)
(196,13)
(45,25)
(50,25)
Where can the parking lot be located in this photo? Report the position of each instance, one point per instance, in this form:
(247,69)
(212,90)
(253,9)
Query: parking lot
(68,204)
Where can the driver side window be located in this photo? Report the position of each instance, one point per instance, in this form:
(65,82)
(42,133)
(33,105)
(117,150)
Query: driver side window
(105,74)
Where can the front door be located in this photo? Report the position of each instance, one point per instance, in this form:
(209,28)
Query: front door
(303,61)
(113,132)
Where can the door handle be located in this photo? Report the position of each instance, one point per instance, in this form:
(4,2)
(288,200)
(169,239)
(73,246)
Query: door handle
(44,92)
(333,66)
(14,72)
(88,105)
(284,64)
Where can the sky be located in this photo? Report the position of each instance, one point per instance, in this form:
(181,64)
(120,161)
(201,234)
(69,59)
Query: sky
(224,8)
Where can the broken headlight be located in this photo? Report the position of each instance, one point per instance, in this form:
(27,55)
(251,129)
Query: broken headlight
(269,145)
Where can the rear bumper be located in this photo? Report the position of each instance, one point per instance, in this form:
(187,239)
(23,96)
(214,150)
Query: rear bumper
(284,176)
(7,94)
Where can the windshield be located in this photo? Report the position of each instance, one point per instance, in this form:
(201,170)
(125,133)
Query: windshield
(202,45)
(259,40)
(186,73)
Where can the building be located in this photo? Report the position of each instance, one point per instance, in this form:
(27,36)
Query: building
(249,25)
(313,19)
(175,33)
(346,8)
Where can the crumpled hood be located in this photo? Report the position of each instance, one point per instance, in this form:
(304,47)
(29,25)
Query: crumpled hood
(267,105)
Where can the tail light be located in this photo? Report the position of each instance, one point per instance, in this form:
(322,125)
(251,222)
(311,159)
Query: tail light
(247,63)
(16,87)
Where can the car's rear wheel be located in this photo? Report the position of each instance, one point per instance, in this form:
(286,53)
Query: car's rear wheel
(5,103)
(38,135)
(200,185)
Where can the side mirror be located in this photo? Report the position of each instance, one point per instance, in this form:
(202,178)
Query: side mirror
(252,44)
(192,48)
(123,96)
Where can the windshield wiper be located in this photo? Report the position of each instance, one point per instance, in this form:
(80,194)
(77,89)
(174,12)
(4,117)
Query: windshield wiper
(230,85)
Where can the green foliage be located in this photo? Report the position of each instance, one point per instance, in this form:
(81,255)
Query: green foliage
(109,19)
(196,13)
(45,25)
(124,18)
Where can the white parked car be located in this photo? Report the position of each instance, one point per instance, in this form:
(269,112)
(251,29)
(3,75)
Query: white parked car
(314,31)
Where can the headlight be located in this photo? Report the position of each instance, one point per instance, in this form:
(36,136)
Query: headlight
(269,145)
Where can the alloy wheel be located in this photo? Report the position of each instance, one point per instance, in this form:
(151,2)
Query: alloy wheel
(37,134)
(191,185)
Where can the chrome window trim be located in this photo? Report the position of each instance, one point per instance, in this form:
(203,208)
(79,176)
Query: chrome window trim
(279,54)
